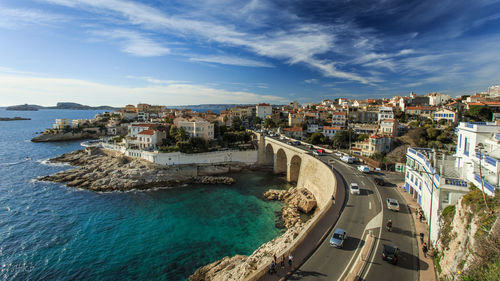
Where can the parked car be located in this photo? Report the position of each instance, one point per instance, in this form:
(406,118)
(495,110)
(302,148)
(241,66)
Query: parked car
(282,138)
(379,181)
(347,159)
(339,154)
(289,143)
(392,204)
(390,254)
(296,143)
(338,238)
(354,188)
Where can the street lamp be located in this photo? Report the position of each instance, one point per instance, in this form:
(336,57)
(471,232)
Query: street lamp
(480,146)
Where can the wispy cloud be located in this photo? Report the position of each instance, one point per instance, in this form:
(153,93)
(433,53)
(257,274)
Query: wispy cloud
(231,60)
(42,90)
(134,43)
(12,18)
(311,81)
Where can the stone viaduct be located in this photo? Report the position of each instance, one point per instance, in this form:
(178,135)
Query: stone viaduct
(299,166)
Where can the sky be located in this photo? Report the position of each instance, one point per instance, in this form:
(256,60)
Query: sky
(114,52)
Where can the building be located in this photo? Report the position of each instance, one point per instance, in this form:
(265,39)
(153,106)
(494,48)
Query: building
(478,153)
(313,128)
(445,114)
(436,99)
(388,127)
(422,111)
(356,115)
(61,124)
(296,119)
(196,127)
(494,91)
(330,131)
(385,113)
(263,110)
(433,186)
(339,119)
(373,144)
(294,133)
(148,139)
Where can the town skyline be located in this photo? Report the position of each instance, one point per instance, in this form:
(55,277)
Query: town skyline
(120,52)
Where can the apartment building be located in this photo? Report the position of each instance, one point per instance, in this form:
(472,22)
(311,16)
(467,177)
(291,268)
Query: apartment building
(196,127)
(385,112)
(445,114)
(263,110)
(373,144)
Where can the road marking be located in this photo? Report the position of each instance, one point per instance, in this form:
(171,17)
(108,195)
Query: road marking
(370,205)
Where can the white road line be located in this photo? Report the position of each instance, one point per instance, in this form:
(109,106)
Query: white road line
(370,205)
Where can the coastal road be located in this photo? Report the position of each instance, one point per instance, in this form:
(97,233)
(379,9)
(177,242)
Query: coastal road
(327,262)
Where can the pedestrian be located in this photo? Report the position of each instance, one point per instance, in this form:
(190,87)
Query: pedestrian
(283,261)
(290,259)
(272,268)
(274,258)
(421,216)
(421,238)
(425,249)
(333,199)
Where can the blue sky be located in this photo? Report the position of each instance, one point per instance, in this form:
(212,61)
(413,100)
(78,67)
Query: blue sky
(206,51)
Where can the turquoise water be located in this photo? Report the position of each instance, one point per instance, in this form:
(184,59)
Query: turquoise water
(52,232)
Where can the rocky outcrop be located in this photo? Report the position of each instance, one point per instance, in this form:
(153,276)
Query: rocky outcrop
(242,267)
(64,137)
(100,171)
(300,198)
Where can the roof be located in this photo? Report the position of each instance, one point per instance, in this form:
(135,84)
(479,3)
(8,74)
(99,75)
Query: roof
(144,125)
(147,132)
(331,128)
(294,129)
(339,113)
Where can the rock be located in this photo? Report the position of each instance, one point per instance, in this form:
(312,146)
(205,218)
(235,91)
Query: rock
(301,198)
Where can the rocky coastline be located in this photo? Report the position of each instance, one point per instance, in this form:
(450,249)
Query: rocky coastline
(13,118)
(65,137)
(101,170)
(241,267)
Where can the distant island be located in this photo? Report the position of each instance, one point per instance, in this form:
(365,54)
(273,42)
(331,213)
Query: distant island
(13,118)
(60,105)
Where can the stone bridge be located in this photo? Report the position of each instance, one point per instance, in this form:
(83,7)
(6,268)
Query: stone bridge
(300,167)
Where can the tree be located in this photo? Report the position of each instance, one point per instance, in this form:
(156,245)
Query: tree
(432,133)
(216,129)
(479,113)
(269,123)
(257,120)
(341,139)
(236,124)
(317,138)
(362,137)
(199,144)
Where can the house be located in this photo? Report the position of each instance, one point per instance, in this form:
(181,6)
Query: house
(388,127)
(313,128)
(436,99)
(330,131)
(263,110)
(296,119)
(385,112)
(373,144)
(148,139)
(196,127)
(294,132)
(339,119)
(445,114)
(423,111)
(61,124)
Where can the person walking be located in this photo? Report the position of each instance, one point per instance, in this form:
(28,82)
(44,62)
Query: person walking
(425,249)
(290,260)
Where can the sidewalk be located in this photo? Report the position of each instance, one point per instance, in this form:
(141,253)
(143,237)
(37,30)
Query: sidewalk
(427,273)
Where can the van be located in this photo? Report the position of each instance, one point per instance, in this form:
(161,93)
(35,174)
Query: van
(364,168)
(347,159)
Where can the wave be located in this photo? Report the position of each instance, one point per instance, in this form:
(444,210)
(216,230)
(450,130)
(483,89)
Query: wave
(48,163)
(12,163)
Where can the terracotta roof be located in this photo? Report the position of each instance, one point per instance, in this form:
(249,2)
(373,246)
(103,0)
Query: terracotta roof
(294,129)
(389,120)
(331,128)
(339,113)
(149,125)
(147,132)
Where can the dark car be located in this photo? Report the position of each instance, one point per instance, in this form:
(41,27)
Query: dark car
(390,254)
(379,181)
(296,143)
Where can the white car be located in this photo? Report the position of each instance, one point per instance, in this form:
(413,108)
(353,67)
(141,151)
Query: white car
(364,168)
(354,188)
(392,204)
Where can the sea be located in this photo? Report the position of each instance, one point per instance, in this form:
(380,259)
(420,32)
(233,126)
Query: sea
(52,232)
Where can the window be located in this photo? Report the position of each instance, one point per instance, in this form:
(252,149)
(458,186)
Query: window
(446,197)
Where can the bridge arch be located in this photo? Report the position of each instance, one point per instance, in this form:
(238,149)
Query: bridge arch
(281,161)
(269,156)
(294,172)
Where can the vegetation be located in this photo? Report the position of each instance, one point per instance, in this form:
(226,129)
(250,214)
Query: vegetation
(317,138)
(269,123)
(479,113)
(425,134)
(342,138)
(447,216)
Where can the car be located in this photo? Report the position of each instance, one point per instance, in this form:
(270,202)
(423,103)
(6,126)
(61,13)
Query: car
(311,147)
(338,238)
(289,143)
(392,204)
(379,181)
(354,188)
(390,254)
(364,168)
(319,152)
(347,159)
(339,154)
(282,138)
(296,143)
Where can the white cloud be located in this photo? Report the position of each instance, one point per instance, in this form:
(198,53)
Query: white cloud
(14,18)
(230,60)
(135,43)
(299,44)
(311,81)
(17,89)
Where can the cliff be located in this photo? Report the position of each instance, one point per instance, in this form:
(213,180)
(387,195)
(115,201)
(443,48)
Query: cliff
(469,245)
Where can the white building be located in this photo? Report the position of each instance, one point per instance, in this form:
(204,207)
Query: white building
(313,128)
(135,128)
(148,139)
(494,91)
(330,131)
(446,114)
(196,127)
(432,180)
(61,124)
(436,99)
(263,110)
(385,113)
(479,143)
